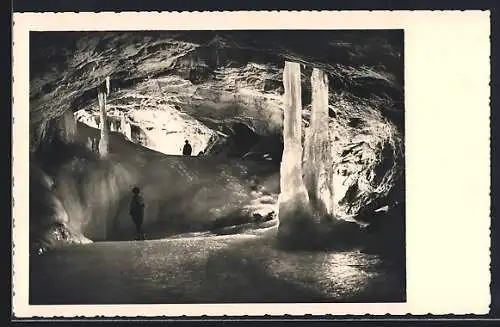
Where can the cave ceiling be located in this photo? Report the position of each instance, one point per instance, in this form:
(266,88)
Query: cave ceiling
(195,72)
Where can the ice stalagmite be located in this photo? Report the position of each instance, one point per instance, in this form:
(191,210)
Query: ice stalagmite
(104,140)
(318,165)
(66,127)
(125,127)
(108,85)
(295,216)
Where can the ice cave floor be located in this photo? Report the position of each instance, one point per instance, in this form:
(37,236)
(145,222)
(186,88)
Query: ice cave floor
(239,268)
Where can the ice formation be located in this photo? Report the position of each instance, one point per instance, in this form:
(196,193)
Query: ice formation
(317,161)
(294,211)
(104,140)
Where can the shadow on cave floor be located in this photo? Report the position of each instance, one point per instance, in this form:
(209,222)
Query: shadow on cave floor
(238,268)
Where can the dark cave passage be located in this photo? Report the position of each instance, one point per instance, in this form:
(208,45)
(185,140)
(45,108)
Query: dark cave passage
(240,138)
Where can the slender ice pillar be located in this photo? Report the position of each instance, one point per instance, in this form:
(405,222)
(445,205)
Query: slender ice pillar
(104,140)
(112,126)
(294,210)
(125,128)
(318,162)
(108,85)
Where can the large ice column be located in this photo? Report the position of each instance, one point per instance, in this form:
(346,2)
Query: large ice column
(104,140)
(318,162)
(294,211)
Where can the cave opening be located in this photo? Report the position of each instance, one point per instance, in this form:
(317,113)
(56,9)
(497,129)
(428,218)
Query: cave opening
(242,138)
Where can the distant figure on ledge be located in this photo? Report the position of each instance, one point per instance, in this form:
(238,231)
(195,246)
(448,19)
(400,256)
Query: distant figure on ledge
(137,211)
(187,149)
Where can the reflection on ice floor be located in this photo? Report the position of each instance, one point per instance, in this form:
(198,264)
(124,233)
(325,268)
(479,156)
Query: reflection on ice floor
(234,268)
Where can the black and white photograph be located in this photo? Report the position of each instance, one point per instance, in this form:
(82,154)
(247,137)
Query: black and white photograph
(250,164)
(217,167)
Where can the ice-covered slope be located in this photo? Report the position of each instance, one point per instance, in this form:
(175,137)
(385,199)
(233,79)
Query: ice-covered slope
(81,196)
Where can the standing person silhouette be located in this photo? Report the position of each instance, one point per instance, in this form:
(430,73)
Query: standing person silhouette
(187,149)
(137,211)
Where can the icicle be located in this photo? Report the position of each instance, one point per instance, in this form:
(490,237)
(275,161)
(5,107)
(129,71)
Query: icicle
(108,86)
(103,142)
